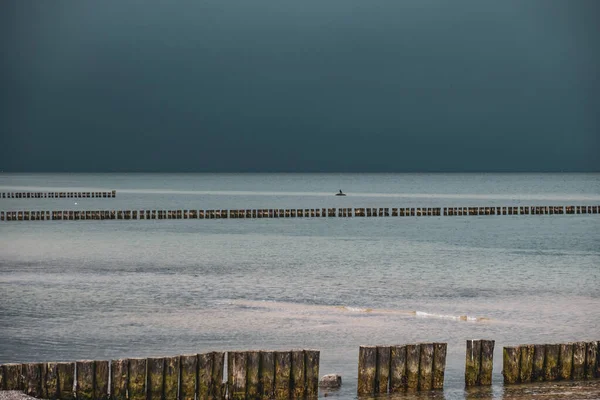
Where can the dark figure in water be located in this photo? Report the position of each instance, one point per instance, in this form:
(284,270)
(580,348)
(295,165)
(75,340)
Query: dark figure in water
(341,191)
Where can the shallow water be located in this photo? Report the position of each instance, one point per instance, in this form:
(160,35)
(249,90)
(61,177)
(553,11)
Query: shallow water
(109,289)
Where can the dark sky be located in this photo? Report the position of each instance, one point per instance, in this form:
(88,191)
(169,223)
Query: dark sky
(311,85)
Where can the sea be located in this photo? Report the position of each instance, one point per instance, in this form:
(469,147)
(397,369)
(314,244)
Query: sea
(75,290)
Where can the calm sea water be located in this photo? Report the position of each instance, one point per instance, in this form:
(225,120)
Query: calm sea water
(111,289)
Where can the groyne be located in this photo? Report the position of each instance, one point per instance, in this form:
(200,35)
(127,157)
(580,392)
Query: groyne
(57,195)
(97,215)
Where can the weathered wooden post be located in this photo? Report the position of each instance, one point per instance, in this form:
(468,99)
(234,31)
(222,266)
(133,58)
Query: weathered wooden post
(267,375)
(252,374)
(579,360)
(412,366)
(311,361)
(156,378)
(382,373)
(439,364)
(565,361)
(298,374)
(526,362)
(189,372)
(12,376)
(397,369)
(487,362)
(591,354)
(84,387)
(33,379)
(205,375)
(136,387)
(50,385)
(171,378)
(426,367)
(283,369)
(551,362)
(472,362)
(236,374)
(66,379)
(539,354)
(367,368)
(217,388)
(101,380)
(510,369)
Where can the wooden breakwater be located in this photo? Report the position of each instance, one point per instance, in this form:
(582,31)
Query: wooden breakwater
(98,215)
(57,195)
(479,362)
(551,362)
(393,369)
(250,375)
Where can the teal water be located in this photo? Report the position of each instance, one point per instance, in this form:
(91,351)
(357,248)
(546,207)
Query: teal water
(108,289)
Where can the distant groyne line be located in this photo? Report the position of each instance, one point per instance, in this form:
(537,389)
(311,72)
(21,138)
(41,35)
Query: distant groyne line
(57,195)
(98,215)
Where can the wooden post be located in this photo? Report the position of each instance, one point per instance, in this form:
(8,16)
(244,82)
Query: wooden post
(267,375)
(136,387)
(472,362)
(426,367)
(118,377)
(156,378)
(526,360)
(551,362)
(439,364)
(283,369)
(171,378)
(217,387)
(412,366)
(367,365)
(382,373)
(487,362)
(84,388)
(298,374)
(591,354)
(510,369)
(252,376)
(236,374)
(397,369)
(189,372)
(33,379)
(579,360)
(66,379)
(565,361)
(539,354)
(12,376)
(101,380)
(311,362)
(51,381)
(205,375)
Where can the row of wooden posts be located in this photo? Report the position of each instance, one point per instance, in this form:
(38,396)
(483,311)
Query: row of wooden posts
(551,362)
(250,375)
(76,215)
(57,195)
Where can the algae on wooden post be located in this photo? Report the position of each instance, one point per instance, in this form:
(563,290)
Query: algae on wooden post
(12,376)
(426,367)
(539,355)
(367,366)
(579,360)
(382,372)
(413,352)
(551,362)
(118,377)
(565,361)
(397,369)
(487,362)
(136,387)
(283,370)
(217,386)
(311,361)
(171,378)
(510,369)
(156,378)
(252,375)
(33,379)
(236,375)
(267,374)
(591,353)
(298,374)
(439,364)
(101,380)
(51,381)
(84,387)
(205,375)
(66,379)
(472,362)
(189,373)
(526,363)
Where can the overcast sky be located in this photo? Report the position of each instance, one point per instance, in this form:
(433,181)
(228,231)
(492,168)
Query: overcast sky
(311,85)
